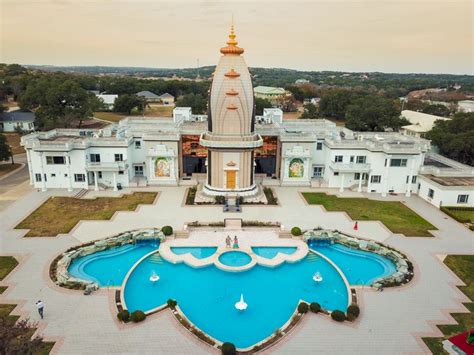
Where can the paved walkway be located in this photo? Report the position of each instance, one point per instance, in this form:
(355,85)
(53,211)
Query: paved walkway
(389,323)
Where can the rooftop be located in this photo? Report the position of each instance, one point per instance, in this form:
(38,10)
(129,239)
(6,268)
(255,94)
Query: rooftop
(452,180)
(17,116)
(147,94)
(269,90)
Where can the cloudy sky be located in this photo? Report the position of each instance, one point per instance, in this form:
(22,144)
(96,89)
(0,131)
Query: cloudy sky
(345,35)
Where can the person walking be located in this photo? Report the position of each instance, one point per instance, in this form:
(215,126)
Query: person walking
(227,242)
(40,306)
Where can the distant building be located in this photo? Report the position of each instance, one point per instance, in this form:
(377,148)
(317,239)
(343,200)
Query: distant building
(269,92)
(421,123)
(17,119)
(108,100)
(466,106)
(301,81)
(148,96)
(167,99)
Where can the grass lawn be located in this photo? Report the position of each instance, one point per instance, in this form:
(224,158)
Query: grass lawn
(7,264)
(462,214)
(463,267)
(159,110)
(8,167)
(13,139)
(61,214)
(109,116)
(396,216)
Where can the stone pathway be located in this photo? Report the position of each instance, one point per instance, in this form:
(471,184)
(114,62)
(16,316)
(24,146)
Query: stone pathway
(390,321)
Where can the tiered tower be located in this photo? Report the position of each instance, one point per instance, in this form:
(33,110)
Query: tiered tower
(231,138)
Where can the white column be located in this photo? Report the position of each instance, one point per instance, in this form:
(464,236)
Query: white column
(359,188)
(96,183)
(341,189)
(410,177)
(385,178)
(30,166)
(69,177)
(115,181)
(43,180)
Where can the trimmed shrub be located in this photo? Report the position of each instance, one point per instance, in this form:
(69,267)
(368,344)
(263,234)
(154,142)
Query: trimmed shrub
(315,307)
(303,307)
(338,315)
(137,316)
(171,303)
(219,200)
(228,349)
(296,231)
(353,312)
(167,230)
(123,316)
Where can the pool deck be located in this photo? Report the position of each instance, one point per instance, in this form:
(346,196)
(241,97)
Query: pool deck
(391,321)
(247,237)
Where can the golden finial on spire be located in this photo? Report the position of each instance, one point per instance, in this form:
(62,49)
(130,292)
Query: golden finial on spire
(232,43)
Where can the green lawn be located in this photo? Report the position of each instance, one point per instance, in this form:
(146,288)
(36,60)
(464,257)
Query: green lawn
(61,214)
(461,214)
(463,267)
(395,215)
(7,264)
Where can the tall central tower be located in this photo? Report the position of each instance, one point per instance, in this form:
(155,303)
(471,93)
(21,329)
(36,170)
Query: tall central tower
(231,138)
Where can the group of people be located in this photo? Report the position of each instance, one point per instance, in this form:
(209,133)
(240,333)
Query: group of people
(228,242)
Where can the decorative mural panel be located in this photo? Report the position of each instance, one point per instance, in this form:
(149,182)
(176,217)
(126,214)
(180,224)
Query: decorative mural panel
(162,167)
(296,168)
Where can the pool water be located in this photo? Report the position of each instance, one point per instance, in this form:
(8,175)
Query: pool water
(207,295)
(197,252)
(235,258)
(109,267)
(360,267)
(271,252)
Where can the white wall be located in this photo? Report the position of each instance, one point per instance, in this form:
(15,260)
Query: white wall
(444,195)
(10,126)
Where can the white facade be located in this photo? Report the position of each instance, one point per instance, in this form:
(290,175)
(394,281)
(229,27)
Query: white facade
(10,126)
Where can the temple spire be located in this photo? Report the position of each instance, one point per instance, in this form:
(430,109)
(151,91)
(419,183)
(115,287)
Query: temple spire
(232,43)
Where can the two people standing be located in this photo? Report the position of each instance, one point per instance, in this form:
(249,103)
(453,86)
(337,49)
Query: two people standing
(228,242)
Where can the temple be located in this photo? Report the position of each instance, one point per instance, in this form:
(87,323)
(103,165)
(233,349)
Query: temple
(230,138)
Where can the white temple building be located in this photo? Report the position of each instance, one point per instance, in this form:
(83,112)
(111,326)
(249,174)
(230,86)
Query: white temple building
(231,150)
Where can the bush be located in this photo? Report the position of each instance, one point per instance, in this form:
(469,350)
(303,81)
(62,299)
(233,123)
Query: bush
(353,312)
(171,303)
(219,200)
(167,230)
(137,316)
(123,315)
(315,307)
(303,307)
(228,349)
(338,315)
(296,231)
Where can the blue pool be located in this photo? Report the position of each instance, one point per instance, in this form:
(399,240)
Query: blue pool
(360,267)
(109,267)
(207,295)
(197,252)
(271,252)
(235,258)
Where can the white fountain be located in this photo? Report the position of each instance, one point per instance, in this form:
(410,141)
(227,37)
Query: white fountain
(154,277)
(241,305)
(317,277)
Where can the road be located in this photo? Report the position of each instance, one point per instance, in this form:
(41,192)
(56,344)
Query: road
(12,181)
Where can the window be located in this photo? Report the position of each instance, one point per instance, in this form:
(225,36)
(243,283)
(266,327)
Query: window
(463,198)
(95,158)
(413,179)
(430,193)
(398,162)
(338,158)
(118,157)
(319,146)
(361,159)
(317,171)
(38,177)
(65,175)
(99,174)
(53,175)
(79,178)
(356,176)
(336,173)
(54,160)
(120,172)
(138,145)
(375,179)
(351,159)
(138,170)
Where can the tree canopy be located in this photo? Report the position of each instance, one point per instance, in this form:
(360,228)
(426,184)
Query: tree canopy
(126,103)
(260,104)
(197,102)
(310,111)
(5,151)
(455,138)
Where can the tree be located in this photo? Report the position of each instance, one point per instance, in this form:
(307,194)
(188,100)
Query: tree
(15,338)
(5,149)
(310,111)
(197,102)
(287,103)
(126,103)
(373,113)
(437,110)
(333,103)
(454,138)
(260,104)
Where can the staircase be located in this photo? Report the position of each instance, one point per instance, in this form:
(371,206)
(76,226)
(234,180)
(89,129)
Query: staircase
(311,257)
(81,193)
(156,259)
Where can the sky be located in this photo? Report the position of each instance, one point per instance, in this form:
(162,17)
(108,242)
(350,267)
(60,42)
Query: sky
(417,36)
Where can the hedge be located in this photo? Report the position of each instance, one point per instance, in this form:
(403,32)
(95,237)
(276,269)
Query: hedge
(315,307)
(228,349)
(353,312)
(167,230)
(296,231)
(123,315)
(338,315)
(137,316)
(303,307)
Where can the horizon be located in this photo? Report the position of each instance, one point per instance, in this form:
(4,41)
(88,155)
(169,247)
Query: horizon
(350,36)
